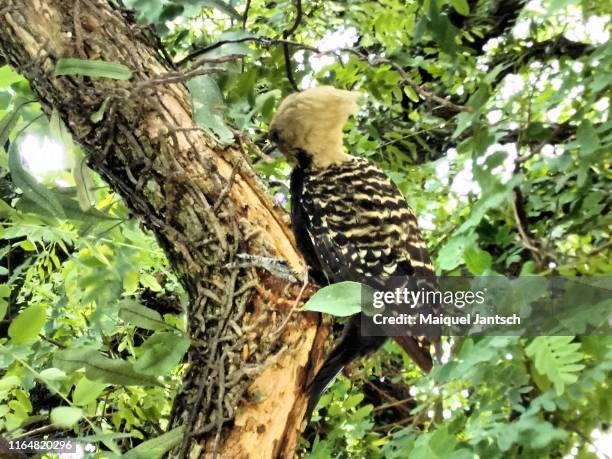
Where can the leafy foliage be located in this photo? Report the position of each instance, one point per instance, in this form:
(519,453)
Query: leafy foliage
(556,357)
(82,291)
(341,299)
(91,337)
(99,69)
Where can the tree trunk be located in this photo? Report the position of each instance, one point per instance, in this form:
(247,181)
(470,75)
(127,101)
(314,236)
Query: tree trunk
(205,206)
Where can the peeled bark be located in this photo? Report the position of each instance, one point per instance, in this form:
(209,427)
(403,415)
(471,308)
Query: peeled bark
(243,393)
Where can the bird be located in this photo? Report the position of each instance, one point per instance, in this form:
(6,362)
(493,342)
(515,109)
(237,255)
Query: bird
(350,221)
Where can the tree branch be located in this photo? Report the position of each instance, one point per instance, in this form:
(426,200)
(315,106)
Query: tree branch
(245,15)
(287,34)
(204,205)
(543,51)
(186,75)
(375,62)
(501,17)
(422,92)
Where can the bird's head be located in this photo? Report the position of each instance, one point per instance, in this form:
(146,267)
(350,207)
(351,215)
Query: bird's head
(311,122)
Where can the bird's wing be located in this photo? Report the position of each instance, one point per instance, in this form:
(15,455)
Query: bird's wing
(363,230)
(361,227)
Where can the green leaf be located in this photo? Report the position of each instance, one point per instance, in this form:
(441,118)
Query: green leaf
(450,254)
(265,103)
(156,447)
(98,115)
(439,444)
(136,314)
(411,93)
(461,6)
(231,48)
(100,368)
(479,98)
(537,131)
(208,107)
(529,268)
(100,69)
(353,401)
(24,328)
(66,416)
(58,130)
(84,183)
(587,137)
(72,209)
(148,10)
(556,358)
(130,282)
(87,391)
(52,374)
(222,6)
(149,281)
(8,122)
(464,120)
(73,359)
(116,371)
(107,438)
(8,76)
(8,382)
(476,259)
(5,99)
(162,352)
(441,28)
(341,299)
(31,187)
(497,194)
(5,291)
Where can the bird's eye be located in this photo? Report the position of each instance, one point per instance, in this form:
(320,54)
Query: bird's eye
(273,136)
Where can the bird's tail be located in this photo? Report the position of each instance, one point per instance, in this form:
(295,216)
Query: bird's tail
(351,346)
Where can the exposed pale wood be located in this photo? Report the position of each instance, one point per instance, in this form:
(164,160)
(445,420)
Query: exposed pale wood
(171,176)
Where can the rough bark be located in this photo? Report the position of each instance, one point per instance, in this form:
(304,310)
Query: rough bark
(243,393)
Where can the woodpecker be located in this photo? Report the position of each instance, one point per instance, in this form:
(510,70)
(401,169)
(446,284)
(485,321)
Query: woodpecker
(350,221)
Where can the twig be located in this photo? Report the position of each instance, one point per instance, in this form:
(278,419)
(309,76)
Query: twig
(245,15)
(386,427)
(422,92)
(175,77)
(595,251)
(559,128)
(386,395)
(244,141)
(218,44)
(517,197)
(599,249)
(37,431)
(288,68)
(297,21)
(384,406)
(227,188)
(296,303)
(180,76)
(52,341)
(286,34)
(266,42)
(517,209)
(276,266)
(584,437)
(78,29)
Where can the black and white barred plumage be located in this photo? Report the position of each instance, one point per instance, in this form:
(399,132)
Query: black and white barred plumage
(361,224)
(350,221)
